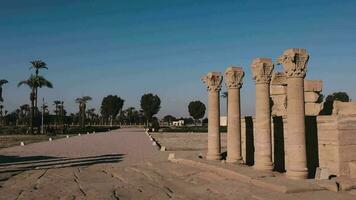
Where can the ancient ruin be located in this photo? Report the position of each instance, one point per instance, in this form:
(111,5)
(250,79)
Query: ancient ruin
(233,80)
(213,82)
(262,73)
(288,134)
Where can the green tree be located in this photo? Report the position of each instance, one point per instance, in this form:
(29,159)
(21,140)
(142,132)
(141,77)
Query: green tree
(169,119)
(37,65)
(34,82)
(57,104)
(2,82)
(329,101)
(111,106)
(196,110)
(130,115)
(24,113)
(150,105)
(82,101)
(91,115)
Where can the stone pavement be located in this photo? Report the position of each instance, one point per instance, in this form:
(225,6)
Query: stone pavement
(121,164)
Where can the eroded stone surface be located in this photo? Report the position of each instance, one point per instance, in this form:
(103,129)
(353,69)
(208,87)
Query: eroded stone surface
(344,108)
(262,73)
(233,81)
(213,82)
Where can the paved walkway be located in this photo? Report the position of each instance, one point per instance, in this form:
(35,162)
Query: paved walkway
(131,144)
(121,164)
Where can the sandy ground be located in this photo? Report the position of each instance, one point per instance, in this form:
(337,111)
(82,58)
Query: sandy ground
(121,164)
(7,141)
(186,141)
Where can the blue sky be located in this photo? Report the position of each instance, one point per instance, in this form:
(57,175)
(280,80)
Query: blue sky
(134,47)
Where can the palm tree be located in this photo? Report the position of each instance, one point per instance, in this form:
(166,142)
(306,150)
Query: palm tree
(57,104)
(37,65)
(82,101)
(24,111)
(1,107)
(34,82)
(2,82)
(91,114)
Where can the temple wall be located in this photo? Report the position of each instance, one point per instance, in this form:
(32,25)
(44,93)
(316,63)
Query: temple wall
(337,144)
(331,143)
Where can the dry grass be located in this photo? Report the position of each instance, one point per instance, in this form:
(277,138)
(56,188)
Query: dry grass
(15,140)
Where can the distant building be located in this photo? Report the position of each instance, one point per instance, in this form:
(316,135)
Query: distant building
(223,121)
(178,123)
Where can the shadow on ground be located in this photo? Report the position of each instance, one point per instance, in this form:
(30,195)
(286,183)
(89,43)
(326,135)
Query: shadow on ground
(12,165)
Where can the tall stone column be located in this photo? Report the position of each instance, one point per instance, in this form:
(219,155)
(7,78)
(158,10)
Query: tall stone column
(213,82)
(295,66)
(233,81)
(262,73)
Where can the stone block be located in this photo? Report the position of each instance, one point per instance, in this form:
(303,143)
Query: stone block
(331,165)
(330,185)
(313,85)
(346,184)
(278,90)
(352,167)
(313,109)
(322,173)
(329,152)
(344,108)
(346,122)
(327,136)
(279,78)
(279,107)
(347,153)
(346,137)
(171,156)
(311,97)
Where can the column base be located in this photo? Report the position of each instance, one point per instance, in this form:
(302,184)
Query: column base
(234,160)
(263,166)
(297,175)
(213,157)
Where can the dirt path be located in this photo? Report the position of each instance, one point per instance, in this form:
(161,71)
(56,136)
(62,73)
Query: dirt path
(122,164)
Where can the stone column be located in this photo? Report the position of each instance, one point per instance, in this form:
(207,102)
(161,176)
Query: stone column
(262,73)
(233,81)
(213,82)
(295,66)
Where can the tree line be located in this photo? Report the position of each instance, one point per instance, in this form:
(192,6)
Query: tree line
(111,109)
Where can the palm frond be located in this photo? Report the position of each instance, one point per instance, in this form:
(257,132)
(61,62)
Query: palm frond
(24,82)
(3,81)
(38,64)
(87,98)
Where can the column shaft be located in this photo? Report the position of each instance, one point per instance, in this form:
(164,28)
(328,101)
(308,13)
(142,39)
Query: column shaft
(296,146)
(263,138)
(234,126)
(214,146)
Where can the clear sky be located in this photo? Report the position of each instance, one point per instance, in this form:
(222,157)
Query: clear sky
(132,47)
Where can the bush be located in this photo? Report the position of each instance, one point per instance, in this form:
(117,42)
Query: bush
(189,129)
(13,130)
(21,130)
(155,124)
(90,129)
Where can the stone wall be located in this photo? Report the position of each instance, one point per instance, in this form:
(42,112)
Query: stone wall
(312,90)
(337,144)
(331,143)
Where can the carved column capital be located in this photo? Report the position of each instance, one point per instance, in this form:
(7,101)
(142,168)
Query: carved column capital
(262,69)
(213,81)
(294,62)
(233,77)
